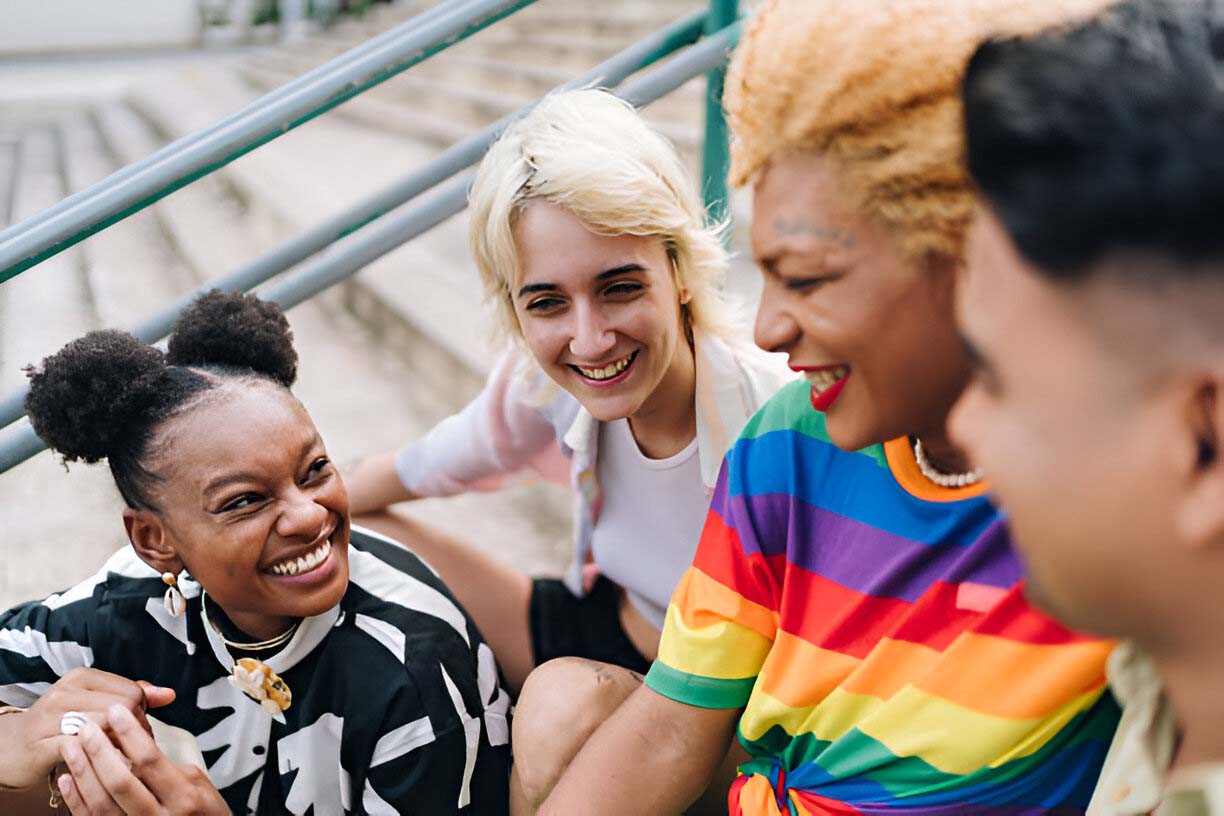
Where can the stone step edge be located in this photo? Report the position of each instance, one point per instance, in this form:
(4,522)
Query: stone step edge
(377,280)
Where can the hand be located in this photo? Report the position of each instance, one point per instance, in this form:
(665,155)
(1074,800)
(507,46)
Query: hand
(129,774)
(88,691)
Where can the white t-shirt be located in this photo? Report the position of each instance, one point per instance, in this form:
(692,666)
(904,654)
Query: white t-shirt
(652,515)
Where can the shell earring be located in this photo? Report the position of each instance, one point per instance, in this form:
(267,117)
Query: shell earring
(176,604)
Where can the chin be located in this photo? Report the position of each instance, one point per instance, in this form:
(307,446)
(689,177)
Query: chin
(612,409)
(851,435)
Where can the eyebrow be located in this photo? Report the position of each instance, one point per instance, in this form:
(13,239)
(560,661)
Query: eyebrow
(624,269)
(244,476)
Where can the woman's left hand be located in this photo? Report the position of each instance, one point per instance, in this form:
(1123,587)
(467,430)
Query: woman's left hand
(131,775)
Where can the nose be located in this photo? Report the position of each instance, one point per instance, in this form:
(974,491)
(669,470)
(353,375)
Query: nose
(301,516)
(775,329)
(593,335)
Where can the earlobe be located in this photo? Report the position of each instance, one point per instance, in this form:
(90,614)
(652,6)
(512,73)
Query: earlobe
(1201,516)
(148,537)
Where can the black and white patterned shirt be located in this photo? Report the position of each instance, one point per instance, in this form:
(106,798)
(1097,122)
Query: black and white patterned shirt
(397,705)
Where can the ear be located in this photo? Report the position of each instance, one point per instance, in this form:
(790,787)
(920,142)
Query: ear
(148,536)
(1200,519)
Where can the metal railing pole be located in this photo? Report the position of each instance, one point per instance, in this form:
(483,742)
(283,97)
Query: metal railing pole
(715,157)
(450,161)
(22,247)
(289,88)
(18,442)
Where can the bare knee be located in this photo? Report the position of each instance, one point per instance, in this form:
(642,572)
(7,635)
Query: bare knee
(561,705)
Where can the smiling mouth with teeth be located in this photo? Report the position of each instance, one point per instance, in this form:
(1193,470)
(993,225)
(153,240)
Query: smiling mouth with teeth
(826,378)
(609,371)
(297,566)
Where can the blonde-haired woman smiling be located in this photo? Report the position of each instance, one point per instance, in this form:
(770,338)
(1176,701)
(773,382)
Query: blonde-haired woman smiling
(623,382)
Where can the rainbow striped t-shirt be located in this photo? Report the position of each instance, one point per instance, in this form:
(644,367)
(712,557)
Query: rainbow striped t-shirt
(872,626)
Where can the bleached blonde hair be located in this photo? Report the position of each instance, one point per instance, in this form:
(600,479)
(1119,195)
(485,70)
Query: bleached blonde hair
(875,85)
(590,153)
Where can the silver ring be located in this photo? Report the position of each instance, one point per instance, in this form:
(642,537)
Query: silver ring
(71,723)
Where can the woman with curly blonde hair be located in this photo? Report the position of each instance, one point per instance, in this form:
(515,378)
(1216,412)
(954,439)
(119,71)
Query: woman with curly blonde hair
(855,610)
(624,383)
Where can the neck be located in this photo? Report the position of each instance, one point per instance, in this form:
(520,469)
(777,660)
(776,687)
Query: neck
(667,421)
(1192,681)
(942,454)
(247,627)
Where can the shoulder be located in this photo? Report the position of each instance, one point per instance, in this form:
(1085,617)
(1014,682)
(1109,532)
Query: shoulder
(397,599)
(788,410)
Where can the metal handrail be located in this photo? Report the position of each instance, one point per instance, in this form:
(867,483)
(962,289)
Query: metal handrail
(18,442)
(608,73)
(22,246)
(715,153)
(291,87)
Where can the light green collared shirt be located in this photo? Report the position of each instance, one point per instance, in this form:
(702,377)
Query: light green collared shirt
(1136,779)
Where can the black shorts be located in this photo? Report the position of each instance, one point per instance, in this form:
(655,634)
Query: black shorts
(564,625)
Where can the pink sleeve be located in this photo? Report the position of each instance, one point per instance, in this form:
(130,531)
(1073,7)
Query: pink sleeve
(496,436)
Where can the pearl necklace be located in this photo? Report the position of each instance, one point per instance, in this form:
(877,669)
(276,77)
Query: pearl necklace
(940,478)
(270,643)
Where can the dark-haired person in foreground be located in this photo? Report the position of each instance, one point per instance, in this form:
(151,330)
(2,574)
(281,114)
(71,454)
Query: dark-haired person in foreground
(299,670)
(1094,306)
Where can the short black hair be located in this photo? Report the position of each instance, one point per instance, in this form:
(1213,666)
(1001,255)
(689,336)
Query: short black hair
(1106,137)
(104,395)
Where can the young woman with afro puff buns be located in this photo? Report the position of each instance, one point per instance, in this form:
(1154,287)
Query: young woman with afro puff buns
(855,609)
(285,662)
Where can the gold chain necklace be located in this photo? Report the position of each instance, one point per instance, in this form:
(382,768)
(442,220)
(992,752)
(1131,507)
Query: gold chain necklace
(270,643)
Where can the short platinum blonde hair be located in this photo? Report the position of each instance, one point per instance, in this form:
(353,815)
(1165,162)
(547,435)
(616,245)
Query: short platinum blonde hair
(590,153)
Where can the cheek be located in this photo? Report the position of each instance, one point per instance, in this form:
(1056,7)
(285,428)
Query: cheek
(545,339)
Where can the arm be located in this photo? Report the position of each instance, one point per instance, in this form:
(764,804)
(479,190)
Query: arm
(500,432)
(47,658)
(375,484)
(654,755)
(32,740)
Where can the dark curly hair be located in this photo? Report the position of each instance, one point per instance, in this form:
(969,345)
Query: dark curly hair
(104,395)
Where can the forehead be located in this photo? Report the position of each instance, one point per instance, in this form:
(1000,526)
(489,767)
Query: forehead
(243,426)
(799,205)
(556,246)
(1008,305)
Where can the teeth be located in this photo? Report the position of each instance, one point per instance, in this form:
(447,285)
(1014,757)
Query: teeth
(607,372)
(825,379)
(305,563)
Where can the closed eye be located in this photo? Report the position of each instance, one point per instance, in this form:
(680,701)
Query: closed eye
(241,502)
(806,284)
(320,466)
(624,288)
(544,304)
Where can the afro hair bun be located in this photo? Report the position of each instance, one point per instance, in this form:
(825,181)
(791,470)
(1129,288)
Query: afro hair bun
(233,330)
(89,394)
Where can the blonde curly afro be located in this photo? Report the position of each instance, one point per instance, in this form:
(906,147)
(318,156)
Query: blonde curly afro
(875,86)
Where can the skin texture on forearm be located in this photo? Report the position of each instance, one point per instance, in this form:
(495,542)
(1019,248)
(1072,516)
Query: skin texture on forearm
(374,485)
(653,756)
(15,771)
